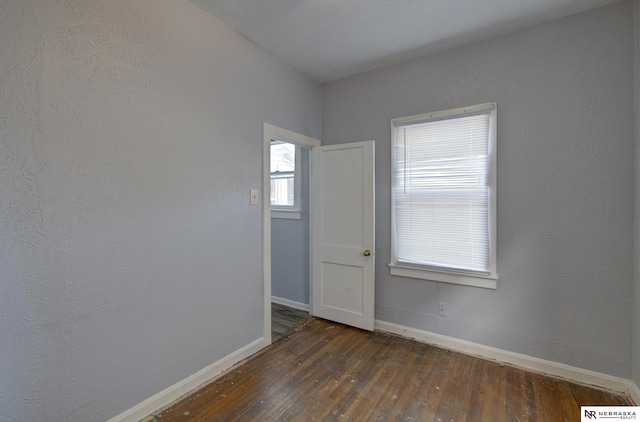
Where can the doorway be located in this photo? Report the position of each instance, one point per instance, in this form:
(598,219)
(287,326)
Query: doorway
(290,228)
(341,290)
(286,264)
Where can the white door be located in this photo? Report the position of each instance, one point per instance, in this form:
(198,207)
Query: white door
(342,235)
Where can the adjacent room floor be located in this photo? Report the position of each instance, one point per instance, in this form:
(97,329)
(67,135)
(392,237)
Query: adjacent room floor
(322,370)
(283,317)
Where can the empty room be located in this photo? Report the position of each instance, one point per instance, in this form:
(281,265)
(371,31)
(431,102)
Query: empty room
(457,192)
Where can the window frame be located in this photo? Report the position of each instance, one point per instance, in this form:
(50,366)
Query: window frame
(443,274)
(291,212)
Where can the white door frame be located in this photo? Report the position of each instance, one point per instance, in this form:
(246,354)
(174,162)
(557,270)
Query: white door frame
(270,132)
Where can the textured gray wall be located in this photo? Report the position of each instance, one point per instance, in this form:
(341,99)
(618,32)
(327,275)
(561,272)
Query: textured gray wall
(290,248)
(565,185)
(130,136)
(635,354)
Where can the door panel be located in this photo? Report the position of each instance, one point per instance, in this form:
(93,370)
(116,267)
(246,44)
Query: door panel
(342,207)
(344,296)
(342,193)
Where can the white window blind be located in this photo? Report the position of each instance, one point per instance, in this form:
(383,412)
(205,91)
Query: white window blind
(442,187)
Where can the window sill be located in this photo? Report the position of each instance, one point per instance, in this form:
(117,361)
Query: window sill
(286,214)
(487,282)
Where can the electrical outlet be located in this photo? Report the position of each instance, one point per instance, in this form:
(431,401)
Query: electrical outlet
(442,309)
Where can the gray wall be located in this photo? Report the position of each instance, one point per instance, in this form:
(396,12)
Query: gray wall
(635,355)
(130,136)
(290,248)
(565,185)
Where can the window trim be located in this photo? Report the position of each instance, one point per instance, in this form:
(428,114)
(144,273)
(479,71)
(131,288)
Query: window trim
(484,280)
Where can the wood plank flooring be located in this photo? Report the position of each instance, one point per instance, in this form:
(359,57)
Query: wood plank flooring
(326,371)
(284,317)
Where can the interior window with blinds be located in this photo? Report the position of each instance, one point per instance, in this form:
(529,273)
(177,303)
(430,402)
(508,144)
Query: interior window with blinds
(444,188)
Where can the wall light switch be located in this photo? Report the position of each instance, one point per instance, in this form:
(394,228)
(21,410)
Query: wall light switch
(254,197)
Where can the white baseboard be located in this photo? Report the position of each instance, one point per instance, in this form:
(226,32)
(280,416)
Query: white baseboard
(634,392)
(290,303)
(528,362)
(171,394)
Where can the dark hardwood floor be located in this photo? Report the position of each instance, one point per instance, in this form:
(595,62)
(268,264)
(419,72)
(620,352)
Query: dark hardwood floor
(284,317)
(326,371)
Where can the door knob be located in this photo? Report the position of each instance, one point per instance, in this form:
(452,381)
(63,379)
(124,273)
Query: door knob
(366,252)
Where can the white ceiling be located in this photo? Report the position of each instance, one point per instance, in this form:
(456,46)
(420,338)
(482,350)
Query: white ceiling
(330,39)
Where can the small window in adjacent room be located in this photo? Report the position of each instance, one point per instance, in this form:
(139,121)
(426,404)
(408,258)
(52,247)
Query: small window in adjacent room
(444,196)
(285,180)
